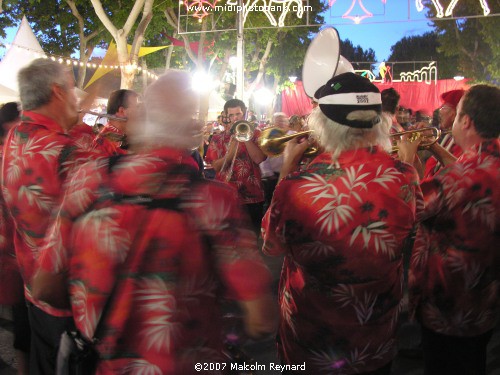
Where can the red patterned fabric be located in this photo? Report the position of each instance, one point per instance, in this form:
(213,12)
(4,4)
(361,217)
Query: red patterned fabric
(166,315)
(245,174)
(11,283)
(454,273)
(37,157)
(110,140)
(432,166)
(342,228)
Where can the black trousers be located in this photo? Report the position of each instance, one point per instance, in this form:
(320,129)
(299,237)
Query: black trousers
(46,333)
(255,213)
(452,355)
(22,331)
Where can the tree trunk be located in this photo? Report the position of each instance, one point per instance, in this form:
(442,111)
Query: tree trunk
(128,62)
(168,58)
(262,69)
(144,67)
(204,104)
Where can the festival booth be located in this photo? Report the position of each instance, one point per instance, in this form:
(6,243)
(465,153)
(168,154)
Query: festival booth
(24,49)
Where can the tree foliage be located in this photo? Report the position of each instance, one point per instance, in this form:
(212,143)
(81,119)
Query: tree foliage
(423,48)
(356,53)
(471,42)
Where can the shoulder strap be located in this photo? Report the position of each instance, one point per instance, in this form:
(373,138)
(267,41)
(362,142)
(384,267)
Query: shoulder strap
(134,257)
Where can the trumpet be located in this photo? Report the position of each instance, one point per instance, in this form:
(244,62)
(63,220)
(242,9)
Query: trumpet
(430,138)
(243,130)
(101,115)
(272,141)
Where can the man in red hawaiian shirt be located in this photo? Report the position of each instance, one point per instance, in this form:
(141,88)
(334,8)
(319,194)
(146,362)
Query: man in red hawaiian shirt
(447,114)
(112,139)
(342,224)
(238,162)
(37,156)
(164,316)
(454,274)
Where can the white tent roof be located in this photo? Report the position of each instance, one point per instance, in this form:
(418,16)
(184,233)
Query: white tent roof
(25,48)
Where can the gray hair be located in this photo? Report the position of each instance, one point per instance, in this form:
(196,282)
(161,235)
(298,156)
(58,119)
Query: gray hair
(337,138)
(170,106)
(36,80)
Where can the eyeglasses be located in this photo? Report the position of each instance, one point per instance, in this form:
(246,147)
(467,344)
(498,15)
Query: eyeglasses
(445,107)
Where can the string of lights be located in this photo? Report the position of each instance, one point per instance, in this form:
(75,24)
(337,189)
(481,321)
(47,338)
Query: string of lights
(77,62)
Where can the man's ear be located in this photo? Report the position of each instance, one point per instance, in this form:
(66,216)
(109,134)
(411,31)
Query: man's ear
(121,111)
(467,122)
(58,91)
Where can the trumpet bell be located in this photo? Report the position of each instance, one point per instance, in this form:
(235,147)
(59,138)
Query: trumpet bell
(323,61)
(429,135)
(272,141)
(243,130)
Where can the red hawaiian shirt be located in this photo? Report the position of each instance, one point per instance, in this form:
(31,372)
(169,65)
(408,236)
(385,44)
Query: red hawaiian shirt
(454,272)
(432,165)
(37,157)
(110,141)
(11,283)
(342,227)
(244,174)
(165,316)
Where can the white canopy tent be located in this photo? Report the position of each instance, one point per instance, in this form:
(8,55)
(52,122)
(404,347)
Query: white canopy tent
(24,49)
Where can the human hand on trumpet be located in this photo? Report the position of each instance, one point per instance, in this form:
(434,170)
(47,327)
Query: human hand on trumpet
(407,146)
(293,154)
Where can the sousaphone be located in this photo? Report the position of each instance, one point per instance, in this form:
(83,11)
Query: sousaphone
(323,61)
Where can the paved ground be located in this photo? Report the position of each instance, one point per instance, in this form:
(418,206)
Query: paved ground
(264,352)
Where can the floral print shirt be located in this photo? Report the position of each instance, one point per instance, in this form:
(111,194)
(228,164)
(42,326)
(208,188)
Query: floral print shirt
(11,283)
(454,272)
(432,165)
(110,141)
(164,316)
(342,227)
(245,175)
(38,155)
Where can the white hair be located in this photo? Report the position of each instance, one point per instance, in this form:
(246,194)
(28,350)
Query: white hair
(170,106)
(337,138)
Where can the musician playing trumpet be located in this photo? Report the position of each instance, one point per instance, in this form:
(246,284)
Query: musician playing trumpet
(112,138)
(238,162)
(454,272)
(341,224)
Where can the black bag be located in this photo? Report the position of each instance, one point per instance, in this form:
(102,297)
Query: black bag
(76,355)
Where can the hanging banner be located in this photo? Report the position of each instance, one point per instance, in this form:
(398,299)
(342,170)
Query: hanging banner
(111,59)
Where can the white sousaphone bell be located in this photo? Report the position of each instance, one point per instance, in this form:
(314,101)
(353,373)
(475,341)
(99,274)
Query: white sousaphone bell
(323,61)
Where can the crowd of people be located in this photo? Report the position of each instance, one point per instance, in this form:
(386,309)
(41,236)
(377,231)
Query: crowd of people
(126,236)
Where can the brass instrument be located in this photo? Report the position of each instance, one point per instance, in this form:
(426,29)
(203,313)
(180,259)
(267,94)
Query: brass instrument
(272,141)
(429,139)
(101,115)
(243,130)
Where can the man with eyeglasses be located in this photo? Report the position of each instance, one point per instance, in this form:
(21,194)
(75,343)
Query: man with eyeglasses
(454,273)
(447,113)
(238,162)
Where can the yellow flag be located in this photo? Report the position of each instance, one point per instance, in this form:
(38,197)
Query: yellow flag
(111,59)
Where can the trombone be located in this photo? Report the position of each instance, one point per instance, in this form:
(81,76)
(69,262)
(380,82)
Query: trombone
(429,139)
(272,141)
